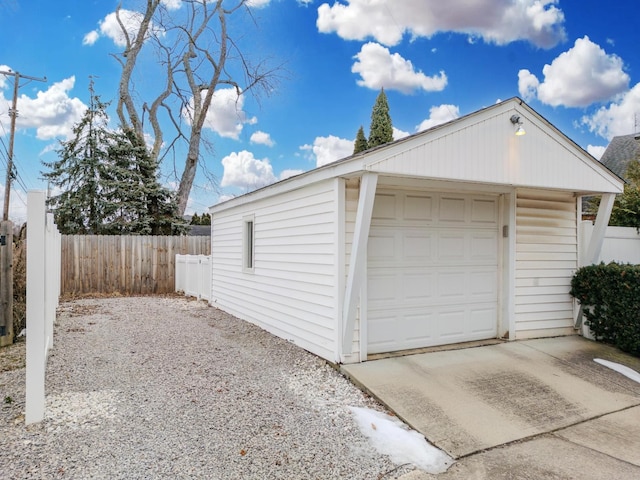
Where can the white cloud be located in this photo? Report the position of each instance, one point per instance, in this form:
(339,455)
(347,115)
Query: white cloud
(329,149)
(528,84)
(257,3)
(618,118)
(225,115)
(91,37)
(537,21)
(398,134)
(596,151)
(583,75)
(172,4)
(290,173)
(110,28)
(379,68)
(243,170)
(262,138)
(52,113)
(305,3)
(439,115)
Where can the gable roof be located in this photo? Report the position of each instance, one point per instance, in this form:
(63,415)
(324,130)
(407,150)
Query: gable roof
(478,148)
(620,152)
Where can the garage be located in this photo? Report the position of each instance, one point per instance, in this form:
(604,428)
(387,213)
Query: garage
(432,270)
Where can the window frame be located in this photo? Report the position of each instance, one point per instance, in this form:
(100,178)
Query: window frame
(248,243)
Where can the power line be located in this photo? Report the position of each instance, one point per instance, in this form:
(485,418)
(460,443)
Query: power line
(13,113)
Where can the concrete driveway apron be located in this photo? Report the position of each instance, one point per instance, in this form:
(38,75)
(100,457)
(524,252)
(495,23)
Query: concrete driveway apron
(470,400)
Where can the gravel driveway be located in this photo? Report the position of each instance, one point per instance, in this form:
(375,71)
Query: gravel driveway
(166,387)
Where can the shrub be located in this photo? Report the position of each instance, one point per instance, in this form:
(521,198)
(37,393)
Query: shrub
(610,299)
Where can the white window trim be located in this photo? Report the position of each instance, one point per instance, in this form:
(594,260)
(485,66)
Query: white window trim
(248,243)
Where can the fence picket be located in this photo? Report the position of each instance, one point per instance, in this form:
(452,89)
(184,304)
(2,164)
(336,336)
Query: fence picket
(129,265)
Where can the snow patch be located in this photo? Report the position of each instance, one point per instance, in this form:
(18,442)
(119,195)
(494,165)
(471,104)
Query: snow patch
(391,437)
(626,371)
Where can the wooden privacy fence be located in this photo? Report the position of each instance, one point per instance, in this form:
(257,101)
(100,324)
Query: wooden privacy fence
(129,265)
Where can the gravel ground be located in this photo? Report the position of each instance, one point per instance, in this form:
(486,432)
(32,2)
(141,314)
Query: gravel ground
(166,387)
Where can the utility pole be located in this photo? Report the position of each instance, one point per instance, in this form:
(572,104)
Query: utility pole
(13,113)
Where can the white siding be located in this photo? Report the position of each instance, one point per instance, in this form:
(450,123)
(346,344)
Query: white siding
(546,259)
(352,192)
(484,149)
(291,290)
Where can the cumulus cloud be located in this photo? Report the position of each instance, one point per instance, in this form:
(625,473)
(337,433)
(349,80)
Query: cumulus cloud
(290,173)
(225,115)
(378,68)
(583,75)
(110,28)
(329,149)
(262,138)
(398,134)
(617,118)
(258,3)
(439,115)
(243,170)
(52,112)
(537,21)
(596,151)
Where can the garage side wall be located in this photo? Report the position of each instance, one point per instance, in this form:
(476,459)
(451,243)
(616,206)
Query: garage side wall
(290,291)
(546,259)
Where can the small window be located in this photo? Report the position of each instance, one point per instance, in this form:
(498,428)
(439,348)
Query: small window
(248,254)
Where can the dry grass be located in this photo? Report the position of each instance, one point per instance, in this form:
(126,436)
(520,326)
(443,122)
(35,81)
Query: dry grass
(13,357)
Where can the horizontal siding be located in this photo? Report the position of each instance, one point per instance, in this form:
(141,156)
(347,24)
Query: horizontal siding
(546,259)
(291,290)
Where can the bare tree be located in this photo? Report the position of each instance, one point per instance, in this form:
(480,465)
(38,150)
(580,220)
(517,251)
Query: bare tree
(198,54)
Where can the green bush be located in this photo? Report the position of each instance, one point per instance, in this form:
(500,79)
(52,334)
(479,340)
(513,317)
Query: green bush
(610,298)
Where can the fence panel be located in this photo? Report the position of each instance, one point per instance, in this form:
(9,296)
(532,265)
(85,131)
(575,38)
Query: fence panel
(43,292)
(621,244)
(133,264)
(193,275)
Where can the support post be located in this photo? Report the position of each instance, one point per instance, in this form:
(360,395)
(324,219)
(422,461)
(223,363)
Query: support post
(36,336)
(6,283)
(357,264)
(599,228)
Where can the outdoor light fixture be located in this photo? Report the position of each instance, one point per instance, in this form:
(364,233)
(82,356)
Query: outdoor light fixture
(515,119)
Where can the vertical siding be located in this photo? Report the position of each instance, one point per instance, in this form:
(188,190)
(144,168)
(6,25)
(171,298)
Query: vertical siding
(546,259)
(290,292)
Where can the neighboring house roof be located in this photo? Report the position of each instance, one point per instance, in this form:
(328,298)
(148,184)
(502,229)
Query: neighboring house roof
(620,152)
(200,230)
(478,148)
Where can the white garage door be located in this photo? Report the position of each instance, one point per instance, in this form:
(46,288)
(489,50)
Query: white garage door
(432,270)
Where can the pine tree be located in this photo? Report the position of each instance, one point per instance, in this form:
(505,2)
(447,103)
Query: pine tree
(361,142)
(108,182)
(381,129)
(79,171)
(195,219)
(137,203)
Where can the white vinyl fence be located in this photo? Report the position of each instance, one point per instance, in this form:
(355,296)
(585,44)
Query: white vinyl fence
(621,244)
(193,275)
(43,293)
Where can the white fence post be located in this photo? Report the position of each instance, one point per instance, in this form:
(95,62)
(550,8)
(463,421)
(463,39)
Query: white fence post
(43,291)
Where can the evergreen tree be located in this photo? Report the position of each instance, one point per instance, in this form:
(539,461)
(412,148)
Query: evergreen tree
(205,219)
(381,129)
(361,142)
(79,172)
(136,202)
(195,219)
(108,182)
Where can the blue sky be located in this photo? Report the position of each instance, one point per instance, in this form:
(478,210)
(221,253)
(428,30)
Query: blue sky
(576,63)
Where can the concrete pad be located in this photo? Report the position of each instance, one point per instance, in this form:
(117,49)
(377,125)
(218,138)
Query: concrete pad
(617,435)
(465,401)
(544,457)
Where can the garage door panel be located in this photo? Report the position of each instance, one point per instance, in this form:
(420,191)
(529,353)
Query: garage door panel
(484,211)
(440,283)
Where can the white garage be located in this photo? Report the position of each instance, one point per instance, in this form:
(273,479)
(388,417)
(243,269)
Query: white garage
(459,233)
(432,270)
